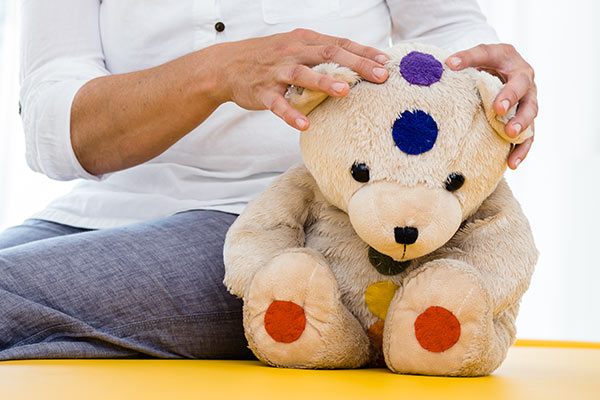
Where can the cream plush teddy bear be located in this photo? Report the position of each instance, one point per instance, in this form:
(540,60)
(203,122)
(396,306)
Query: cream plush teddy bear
(398,238)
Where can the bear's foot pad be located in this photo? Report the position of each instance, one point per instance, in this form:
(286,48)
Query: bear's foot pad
(294,317)
(435,323)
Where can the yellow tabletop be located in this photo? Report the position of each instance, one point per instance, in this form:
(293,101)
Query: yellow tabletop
(533,370)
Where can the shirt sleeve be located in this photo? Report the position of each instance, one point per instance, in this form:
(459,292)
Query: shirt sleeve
(60,51)
(450,24)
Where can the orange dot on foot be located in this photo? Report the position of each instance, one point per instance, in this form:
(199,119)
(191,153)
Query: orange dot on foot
(437,329)
(285,321)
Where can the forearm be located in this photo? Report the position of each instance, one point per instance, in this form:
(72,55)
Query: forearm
(119,121)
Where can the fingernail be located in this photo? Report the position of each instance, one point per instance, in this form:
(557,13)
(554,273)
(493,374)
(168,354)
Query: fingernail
(379,72)
(338,87)
(517,162)
(381,59)
(300,123)
(454,61)
(517,128)
(505,104)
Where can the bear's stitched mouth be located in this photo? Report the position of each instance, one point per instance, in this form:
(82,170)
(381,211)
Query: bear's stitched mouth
(386,265)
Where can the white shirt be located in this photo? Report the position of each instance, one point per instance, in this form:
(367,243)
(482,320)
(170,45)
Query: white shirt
(234,154)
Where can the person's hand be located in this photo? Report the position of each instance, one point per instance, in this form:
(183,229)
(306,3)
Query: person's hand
(256,73)
(505,62)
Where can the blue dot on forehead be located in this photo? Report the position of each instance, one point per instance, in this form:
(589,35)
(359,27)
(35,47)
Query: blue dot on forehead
(415,132)
(421,69)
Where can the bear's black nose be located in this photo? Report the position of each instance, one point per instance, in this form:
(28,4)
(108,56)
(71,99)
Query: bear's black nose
(406,234)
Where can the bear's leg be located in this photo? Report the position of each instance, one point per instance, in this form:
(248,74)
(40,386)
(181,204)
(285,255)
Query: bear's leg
(293,315)
(441,323)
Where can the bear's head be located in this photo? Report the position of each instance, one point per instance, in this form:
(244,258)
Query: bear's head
(410,159)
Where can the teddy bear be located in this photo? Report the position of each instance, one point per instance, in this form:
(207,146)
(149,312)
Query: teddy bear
(397,240)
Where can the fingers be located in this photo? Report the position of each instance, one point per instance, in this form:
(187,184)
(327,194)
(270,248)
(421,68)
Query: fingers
(506,62)
(519,153)
(301,75)
(366,61)
(363,51)
(365,67)
(518,84)
(275,102)
(485,56)
(526,113)
(478,56)
(317,39)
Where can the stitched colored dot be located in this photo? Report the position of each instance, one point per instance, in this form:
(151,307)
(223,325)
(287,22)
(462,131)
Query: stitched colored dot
(378,297)
(385,264)
(285,321)
(375,334)
(415,132)
(437,329)
(421,69)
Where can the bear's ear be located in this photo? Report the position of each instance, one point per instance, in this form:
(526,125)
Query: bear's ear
(489,87)
(305,100)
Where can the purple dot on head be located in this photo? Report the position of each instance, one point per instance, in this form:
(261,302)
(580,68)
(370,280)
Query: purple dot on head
(421,69)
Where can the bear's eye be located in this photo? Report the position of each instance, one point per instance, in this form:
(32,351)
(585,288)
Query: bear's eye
(454,182)
(360,172)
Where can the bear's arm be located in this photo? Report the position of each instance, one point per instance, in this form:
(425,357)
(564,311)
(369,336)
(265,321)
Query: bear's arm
(497,241)
(271,223)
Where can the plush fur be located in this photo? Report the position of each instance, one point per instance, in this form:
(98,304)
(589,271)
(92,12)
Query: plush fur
(307,238)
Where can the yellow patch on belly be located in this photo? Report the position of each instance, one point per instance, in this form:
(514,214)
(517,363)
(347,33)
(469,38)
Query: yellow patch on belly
(378,297)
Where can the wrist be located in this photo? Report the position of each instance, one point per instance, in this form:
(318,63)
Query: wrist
(208,81)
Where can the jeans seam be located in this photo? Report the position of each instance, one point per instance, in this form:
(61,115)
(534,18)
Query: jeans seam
(31,338)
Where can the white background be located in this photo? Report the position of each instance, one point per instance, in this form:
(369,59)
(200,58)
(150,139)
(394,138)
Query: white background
(558,185)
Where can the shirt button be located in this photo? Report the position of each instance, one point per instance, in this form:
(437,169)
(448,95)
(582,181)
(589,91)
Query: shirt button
(219,26)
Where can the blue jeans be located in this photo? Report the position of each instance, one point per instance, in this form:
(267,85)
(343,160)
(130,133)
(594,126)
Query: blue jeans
(152,289)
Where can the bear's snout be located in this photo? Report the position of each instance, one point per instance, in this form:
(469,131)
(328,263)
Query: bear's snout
(404,222)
